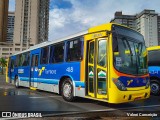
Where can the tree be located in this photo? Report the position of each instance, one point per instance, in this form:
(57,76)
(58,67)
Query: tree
(3,63)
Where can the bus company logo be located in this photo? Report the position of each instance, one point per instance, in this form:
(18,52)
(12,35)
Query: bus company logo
(129,82)
(91,74)
(101,74)
(40,71)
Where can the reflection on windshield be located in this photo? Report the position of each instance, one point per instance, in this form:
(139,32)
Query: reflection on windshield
(129,56)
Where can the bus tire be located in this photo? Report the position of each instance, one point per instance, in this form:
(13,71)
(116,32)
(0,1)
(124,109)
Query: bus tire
(67,90)
(155,87)
(16,82)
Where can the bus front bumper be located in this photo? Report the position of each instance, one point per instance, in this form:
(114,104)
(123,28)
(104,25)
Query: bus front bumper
(128,96)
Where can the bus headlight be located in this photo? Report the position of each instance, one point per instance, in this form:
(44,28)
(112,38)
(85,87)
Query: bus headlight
(148,84)
(119,84)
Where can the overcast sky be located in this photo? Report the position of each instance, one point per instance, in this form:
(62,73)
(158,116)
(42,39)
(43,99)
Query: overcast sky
(71,16)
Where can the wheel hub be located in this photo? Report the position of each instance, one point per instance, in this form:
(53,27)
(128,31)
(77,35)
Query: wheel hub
(67,90)
(154,87)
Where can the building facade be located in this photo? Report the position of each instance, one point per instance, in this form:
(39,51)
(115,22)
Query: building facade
(3,19)
(128,20)
(147,26)
(10,27)
(145,22)
(31,22)
(30,26)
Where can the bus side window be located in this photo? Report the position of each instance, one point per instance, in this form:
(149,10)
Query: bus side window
(74,50)
(51,59)
(59,53)
(56,53)
(44,55)
(25,59)
(16,61)
(9,63)
(91,53)
(12,63)
(36,61)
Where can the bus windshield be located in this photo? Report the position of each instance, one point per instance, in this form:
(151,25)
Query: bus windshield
(129,52)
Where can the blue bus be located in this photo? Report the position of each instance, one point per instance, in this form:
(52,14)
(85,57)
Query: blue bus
(154,68)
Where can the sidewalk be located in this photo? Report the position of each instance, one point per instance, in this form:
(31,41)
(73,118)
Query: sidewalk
(2,79)
(3,82)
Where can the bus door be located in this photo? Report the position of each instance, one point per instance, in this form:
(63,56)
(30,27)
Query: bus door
(34,70)
(97,68)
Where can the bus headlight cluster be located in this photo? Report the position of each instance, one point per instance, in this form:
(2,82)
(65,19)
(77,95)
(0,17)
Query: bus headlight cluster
(119,84)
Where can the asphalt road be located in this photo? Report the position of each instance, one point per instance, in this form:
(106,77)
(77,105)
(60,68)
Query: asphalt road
(49,104)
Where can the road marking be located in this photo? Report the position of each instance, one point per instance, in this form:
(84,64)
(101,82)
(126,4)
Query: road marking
(140,107)
(16,118)
(112,109)
(37,97)
(44,97)
(54,96)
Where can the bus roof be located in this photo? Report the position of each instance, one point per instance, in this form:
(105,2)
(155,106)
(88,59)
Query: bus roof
(52,42)
(153,48)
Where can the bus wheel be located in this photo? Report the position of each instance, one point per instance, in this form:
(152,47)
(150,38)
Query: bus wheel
(16,82)
(67,90)
(155,87)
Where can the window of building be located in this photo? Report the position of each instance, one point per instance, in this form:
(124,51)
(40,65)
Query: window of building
(5,49)
(17,44)
(57,53)
(5,53)
(17,49)
(44,55)
(74,50)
